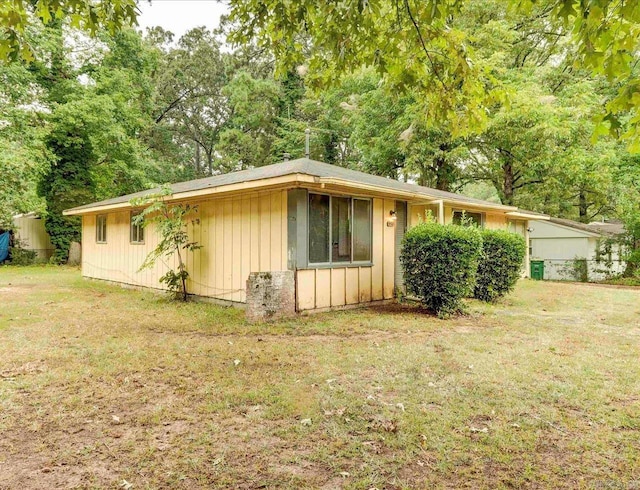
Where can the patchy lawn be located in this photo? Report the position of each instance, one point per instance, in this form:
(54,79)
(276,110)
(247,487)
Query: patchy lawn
(100,386)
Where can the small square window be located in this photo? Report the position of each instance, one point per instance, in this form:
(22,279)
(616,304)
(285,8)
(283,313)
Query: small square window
(136,229)
(101,228)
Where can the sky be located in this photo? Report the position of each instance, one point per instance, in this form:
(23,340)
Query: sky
(178,16)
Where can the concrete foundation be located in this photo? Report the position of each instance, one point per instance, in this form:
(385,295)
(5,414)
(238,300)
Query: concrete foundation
(270,295)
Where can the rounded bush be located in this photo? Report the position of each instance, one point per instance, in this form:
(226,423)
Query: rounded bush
(440,263)
(500,265)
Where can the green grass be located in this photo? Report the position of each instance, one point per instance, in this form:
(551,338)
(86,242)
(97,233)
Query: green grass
(623,281)
(540,390)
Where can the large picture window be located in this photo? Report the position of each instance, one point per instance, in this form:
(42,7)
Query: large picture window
(339,229)
(101,228)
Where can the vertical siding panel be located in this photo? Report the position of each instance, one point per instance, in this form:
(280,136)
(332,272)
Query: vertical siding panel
(203,252)
(352,287)
(388,250)
(227,239)
(247,244)
(113,246)
(377,255)
(338,296)
(88,246)
(155,270)
(448,215)
(306,285)
(256,239)
(125,252)
(196,256)
(284,229)
(265,233)
(219,249)
(188,258)
(276,231)
(323,288)
(236,252)
(211,261)
(365,284)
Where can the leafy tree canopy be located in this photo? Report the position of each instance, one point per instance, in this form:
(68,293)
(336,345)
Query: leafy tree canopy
(17,17)
(425,45)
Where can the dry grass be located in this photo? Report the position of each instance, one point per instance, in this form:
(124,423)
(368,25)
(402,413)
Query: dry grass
(100,385)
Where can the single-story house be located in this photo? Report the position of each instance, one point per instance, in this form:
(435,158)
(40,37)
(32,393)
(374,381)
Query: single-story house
(30,234)
(577,251)
(337,229)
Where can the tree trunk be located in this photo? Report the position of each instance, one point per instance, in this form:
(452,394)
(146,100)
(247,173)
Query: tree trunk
(181,269)
(197,158)
(210,161)
(507,183)
(583,207)
(444,173)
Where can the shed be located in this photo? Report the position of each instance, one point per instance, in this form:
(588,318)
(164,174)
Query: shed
(30,234)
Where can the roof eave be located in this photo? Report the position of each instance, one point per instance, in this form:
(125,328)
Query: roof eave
(420,196)
(292,179)
(530,216)
(591,233)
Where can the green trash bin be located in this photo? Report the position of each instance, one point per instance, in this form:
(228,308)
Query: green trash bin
(537,270)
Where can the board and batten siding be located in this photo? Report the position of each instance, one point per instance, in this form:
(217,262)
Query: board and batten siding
(238,235)
(319,288)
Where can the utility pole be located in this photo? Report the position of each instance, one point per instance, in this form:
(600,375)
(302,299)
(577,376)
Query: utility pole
(307,134)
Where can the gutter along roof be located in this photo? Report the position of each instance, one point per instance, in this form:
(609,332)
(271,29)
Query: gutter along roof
(595,228)
(299,172)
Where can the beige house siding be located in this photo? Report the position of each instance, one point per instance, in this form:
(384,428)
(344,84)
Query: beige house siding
(495,221)
(238,235)
(247,233)
(319,288)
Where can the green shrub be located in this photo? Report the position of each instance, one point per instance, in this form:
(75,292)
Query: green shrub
(21,256)
(575,270)
(440,264)
(500,265)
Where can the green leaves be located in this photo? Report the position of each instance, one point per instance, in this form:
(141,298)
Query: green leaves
(413,44)
(440,264)
(18,16)
(500,265)
(170,222)
(423,47)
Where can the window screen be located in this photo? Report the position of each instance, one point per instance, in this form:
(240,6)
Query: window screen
(318,228)
(361,230)
(136,230)
(339,229)
(101,228)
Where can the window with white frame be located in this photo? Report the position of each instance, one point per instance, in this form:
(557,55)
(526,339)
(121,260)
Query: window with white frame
(101,228)
(136,229)
(339,229)
(467,218)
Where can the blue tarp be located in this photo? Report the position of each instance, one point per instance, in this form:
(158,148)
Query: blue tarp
(4,246)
